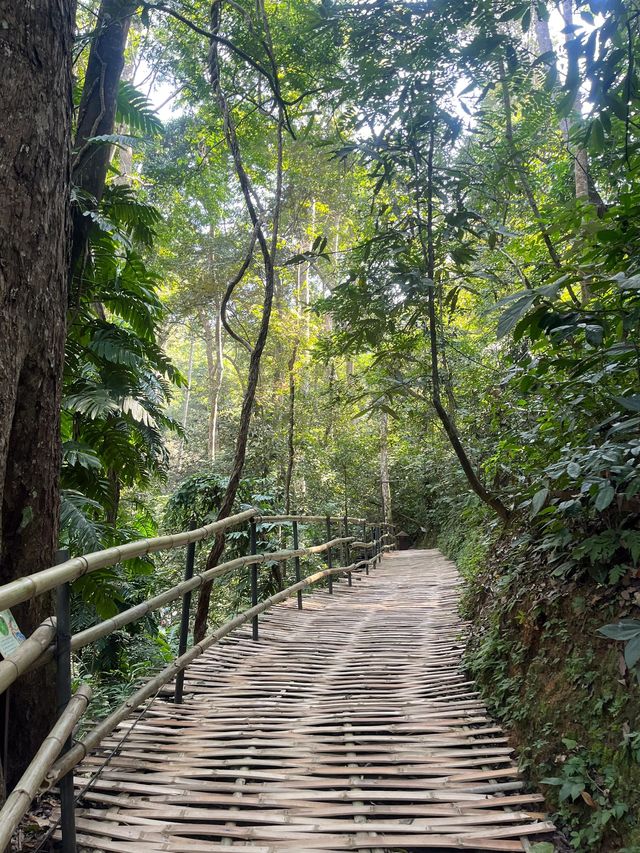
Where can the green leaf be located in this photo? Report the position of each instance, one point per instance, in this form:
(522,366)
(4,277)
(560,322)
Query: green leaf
(538,501)
(631,403)
(625,629)
(134,109)
(596,136)
(604,497)
(594,335)
(631,541)
(513,313)
(632,652)
(77,453)
(91,400)
(76,523)
(565,104)
(515,12)
(120,140)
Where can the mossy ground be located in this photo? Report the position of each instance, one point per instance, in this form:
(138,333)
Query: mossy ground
(560,689)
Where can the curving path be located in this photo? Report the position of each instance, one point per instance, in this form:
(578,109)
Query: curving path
(349,726)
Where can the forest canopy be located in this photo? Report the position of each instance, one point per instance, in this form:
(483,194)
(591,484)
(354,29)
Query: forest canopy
(376,258)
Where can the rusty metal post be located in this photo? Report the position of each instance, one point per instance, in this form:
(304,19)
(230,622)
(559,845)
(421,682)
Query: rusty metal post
(347,555)
(296,562)
(63,697)
(253,544)
(365,550)
(184,619)
(329,565)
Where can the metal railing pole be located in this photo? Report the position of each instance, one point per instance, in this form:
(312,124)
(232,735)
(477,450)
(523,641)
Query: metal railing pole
(347,558)
(296,562)
(329,563)
(184,620)
(364,539)
(253,539)
(63,697)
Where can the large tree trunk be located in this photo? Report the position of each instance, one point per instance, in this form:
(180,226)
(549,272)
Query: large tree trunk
(187,401)
(585,189)
(291,446)
(385,482)
(214,345)
(581,158)
(582,182)
(97,114)
(35,105)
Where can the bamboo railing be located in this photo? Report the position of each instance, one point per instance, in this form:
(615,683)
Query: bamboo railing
(57,756)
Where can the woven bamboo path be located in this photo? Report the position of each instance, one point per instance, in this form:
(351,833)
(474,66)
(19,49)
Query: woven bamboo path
(349,726)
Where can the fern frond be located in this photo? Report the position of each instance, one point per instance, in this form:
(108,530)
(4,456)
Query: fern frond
(76,525)
(134,109)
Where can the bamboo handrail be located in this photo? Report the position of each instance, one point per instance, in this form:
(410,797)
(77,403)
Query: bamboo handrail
(80,749)
(27,654)
(126,617)
(25,588)
(309,519)
(102,629)
(27,788)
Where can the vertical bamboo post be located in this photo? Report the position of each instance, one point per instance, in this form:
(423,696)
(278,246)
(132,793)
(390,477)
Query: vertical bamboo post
(63,697)
(347,558)
(253,540)
(184,618)
(329,565)
(296,562)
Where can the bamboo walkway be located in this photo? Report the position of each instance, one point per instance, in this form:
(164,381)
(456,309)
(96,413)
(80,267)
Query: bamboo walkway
(349,726)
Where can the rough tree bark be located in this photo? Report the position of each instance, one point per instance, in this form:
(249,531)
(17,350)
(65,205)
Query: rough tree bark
(97,114)
(35,104)
(584,186)
(581,158)
(268,250)
(214,345)
(385,482)
(187,402)
(291,448)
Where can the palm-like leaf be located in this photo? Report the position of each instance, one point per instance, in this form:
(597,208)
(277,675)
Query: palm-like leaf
(134,109)
(77,525)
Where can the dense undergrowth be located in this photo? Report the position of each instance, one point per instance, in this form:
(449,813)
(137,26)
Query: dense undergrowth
(570,704)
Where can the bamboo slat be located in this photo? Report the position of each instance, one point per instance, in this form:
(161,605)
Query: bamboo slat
(350,725)
(151,687)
